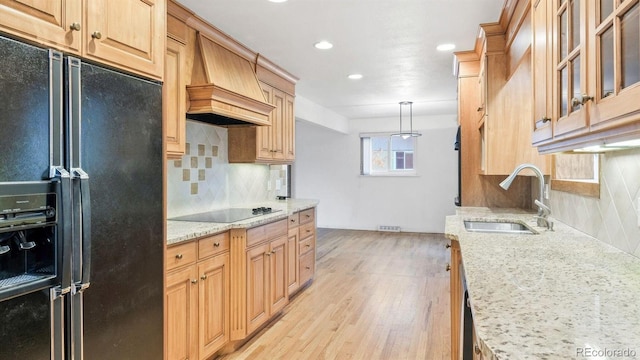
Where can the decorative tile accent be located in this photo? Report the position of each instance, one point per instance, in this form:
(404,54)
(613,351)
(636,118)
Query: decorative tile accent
(200,150)
(177,163)
(187,149)
(613,218)
(216,184)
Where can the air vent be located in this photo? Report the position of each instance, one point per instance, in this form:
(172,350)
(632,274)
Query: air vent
(389,228)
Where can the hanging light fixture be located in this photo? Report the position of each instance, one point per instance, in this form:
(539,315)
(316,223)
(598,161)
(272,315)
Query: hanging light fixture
(410,133)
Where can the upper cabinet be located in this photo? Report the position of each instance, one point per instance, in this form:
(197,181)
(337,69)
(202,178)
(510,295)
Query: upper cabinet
(274,144)
(503,92)
(594,68)
(127,34)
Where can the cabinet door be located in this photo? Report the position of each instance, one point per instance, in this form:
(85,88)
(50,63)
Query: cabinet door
(174,95)
(289,125)
(615,35)
(455,301)
(181,301)
(569,70)
(279,289)
(277,125)
(128,33)
(263,133)
(292,260)
(257,286)
(541,74)
(48,22)
(213,304)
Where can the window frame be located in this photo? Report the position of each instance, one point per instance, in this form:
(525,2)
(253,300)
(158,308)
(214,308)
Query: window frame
(585,188)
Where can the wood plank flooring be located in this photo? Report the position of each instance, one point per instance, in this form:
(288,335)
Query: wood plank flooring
(375,296)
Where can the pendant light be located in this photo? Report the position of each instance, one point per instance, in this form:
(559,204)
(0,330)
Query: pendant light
(410,133)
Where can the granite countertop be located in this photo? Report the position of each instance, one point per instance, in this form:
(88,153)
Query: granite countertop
(556,295)
(179,231)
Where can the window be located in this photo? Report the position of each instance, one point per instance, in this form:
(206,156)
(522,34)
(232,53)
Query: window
(576,173)
(383,154)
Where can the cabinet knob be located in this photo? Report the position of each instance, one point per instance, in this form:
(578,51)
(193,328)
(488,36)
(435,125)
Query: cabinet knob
(179,256)
(268,253)
(293,220)
(308,216)
(75,26)
(308,245)
(203,277)
(545,119)
(480,109)
(447,246)
(273,251)
(216,244)
(448,268)
(194,281)
(308,267)
(97,35)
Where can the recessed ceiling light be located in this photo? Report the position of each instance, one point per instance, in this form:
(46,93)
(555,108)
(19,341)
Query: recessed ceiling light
(355,76)
(278,1)
(323,45)
(445,47)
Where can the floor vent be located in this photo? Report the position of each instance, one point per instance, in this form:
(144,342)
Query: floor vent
(389,228)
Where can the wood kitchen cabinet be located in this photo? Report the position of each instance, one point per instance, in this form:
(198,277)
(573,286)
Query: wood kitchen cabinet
(197,297)
(456,295)
(177,74)
(127,34)
(307,246)
(274,144)
(594,69)
(293,260)
(542,89)
(267,290)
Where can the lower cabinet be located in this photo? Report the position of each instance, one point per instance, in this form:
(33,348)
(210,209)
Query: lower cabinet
(267,290)
(456,300)
(197,297)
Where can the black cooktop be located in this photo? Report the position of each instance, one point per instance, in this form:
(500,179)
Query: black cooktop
(226,215)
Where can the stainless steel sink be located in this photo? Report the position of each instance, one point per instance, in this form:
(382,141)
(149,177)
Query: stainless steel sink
(504,227)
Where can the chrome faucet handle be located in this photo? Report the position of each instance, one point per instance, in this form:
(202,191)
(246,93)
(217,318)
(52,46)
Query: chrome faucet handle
(542,221)
(545,210)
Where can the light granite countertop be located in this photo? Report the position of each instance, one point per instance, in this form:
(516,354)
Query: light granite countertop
(555,295)
(179,231)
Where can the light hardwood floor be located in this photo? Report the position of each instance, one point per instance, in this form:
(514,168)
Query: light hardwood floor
(375,296)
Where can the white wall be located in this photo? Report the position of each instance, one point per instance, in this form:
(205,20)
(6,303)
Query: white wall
(327,168)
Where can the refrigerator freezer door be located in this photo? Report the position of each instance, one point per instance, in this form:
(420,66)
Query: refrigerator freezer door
(27,99)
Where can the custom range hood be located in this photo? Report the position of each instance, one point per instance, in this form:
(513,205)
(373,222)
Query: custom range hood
(224,88)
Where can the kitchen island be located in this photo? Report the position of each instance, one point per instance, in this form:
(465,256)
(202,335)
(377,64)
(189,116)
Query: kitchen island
(552,295)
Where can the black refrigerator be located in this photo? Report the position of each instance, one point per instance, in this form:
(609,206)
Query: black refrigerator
(81,220)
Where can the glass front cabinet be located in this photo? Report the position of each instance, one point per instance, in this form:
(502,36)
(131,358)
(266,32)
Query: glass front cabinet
(592,51)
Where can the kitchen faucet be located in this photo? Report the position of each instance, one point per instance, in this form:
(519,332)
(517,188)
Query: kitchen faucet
(543,210)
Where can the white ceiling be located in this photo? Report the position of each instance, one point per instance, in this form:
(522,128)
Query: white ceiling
(392,43)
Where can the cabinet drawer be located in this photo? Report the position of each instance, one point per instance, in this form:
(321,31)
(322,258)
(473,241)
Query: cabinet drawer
(308,215)
(180,255)
(276,229)
(307,230)
(307,266)
(256,235)
(307,245)
(213,245)
(294,220)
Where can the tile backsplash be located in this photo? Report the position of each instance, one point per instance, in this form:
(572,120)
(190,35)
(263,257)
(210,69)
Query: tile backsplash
(613,218)
(204,180)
